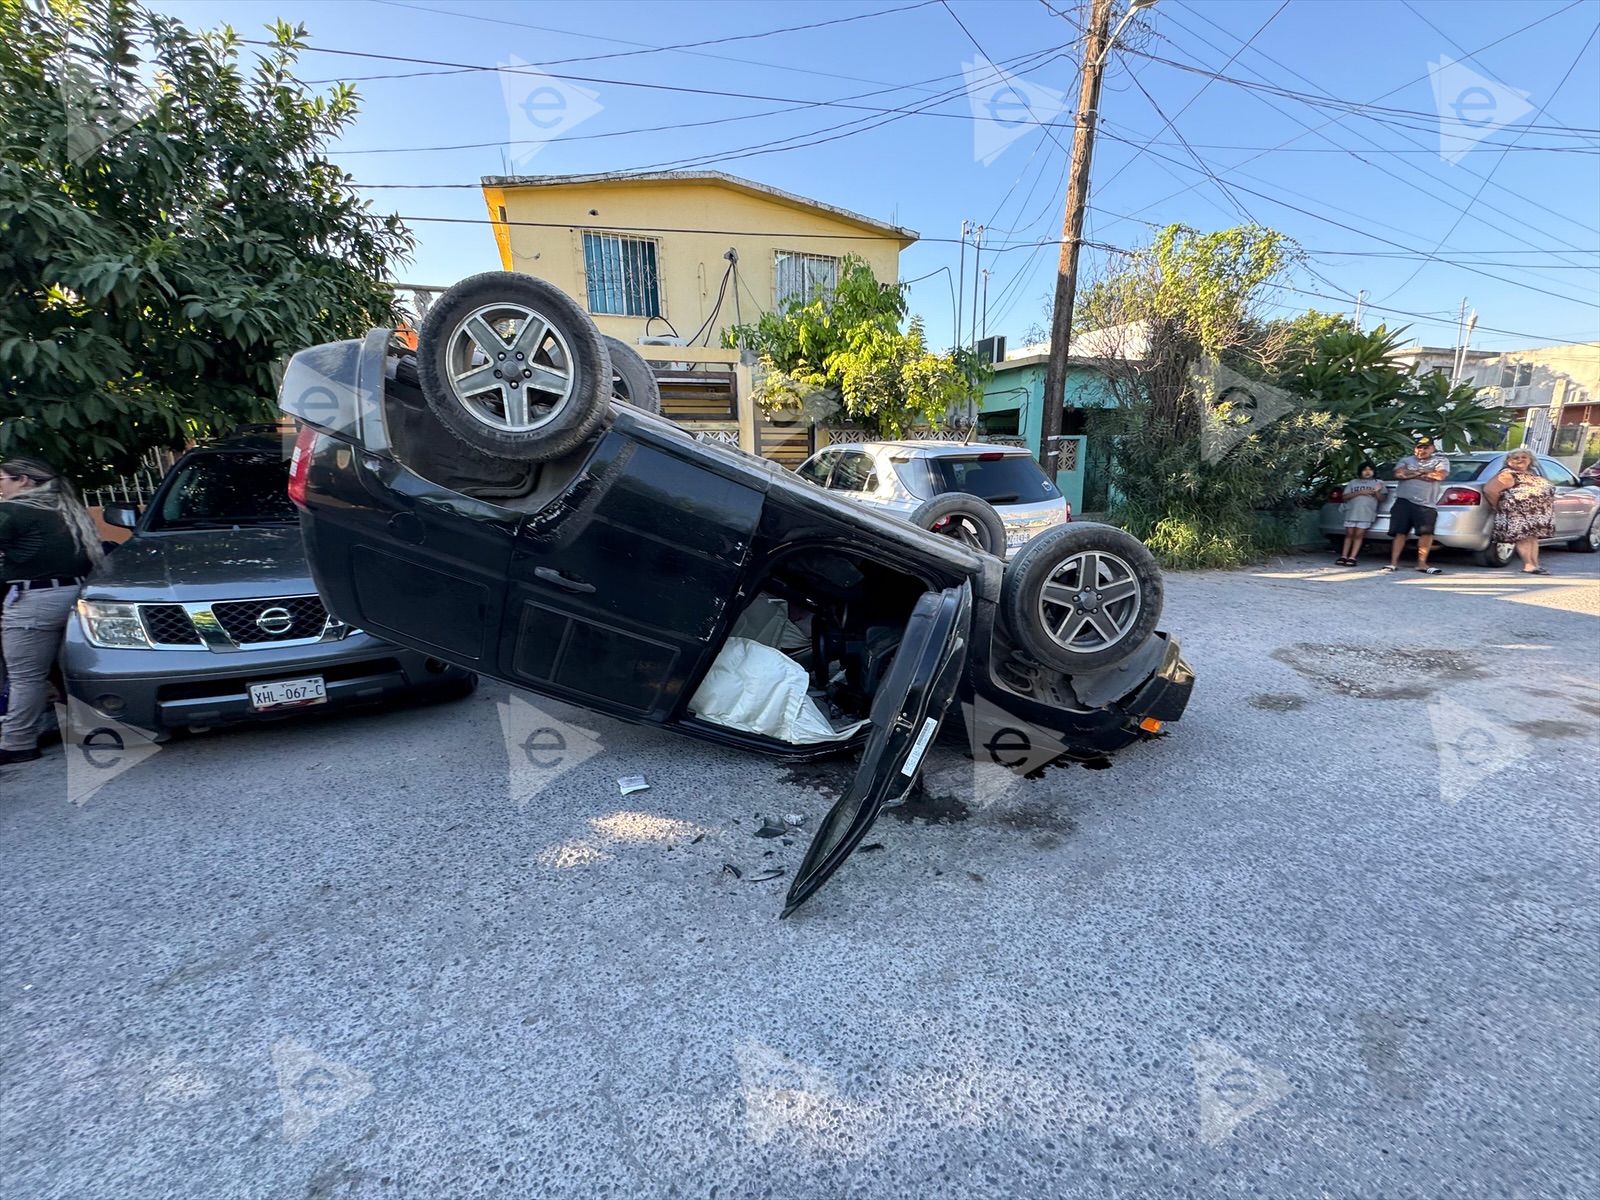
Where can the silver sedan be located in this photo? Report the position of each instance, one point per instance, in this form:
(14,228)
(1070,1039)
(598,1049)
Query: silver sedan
(1466,518)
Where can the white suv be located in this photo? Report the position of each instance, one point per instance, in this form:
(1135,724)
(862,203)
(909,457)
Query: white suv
(905,477)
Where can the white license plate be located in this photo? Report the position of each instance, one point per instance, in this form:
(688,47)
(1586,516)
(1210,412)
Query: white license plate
(288,693)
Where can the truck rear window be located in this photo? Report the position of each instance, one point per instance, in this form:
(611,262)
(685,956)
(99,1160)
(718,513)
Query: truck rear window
(997,478)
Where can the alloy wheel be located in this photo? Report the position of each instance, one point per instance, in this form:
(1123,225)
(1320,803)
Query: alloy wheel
(509,367)
(1090,601)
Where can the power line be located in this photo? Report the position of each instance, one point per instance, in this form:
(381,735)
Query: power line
(1358,156)
(1367,233)
(797,141)
(1435,319)
(756,233)
(1243,46)
(1584,49)
(1317,130)
(691,48)
(633,83)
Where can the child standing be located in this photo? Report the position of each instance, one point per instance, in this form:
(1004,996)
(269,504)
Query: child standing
(1361,496)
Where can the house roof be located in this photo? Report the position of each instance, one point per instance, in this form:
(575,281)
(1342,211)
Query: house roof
(1039,360)
(732,182)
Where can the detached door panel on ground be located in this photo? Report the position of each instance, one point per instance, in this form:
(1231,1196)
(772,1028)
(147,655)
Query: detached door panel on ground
(906,712)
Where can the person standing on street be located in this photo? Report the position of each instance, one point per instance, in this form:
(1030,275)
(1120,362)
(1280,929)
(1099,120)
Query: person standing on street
(1421,475)
(1360,510)
(48,543)
(1524,508)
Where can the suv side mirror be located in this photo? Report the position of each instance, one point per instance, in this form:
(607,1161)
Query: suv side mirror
(123,516)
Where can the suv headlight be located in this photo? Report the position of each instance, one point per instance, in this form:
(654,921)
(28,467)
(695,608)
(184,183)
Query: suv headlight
(114,626)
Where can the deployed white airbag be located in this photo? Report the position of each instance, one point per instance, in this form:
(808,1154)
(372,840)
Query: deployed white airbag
(760,689)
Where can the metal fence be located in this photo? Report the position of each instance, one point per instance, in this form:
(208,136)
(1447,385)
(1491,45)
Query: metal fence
(136,488)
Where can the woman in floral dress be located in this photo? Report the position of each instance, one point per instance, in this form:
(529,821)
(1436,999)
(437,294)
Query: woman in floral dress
(1524,508)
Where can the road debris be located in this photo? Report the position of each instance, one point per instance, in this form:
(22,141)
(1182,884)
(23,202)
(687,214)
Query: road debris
(630,784)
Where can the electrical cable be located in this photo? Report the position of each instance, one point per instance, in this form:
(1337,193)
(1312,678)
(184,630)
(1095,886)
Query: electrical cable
(1358,156)
(791,106)
(1461,216)
(682,48)
(632,83)
(722,290)
(1368,233)
(1243,46)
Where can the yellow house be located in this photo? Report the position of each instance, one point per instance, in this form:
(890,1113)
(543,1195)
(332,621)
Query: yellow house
(684,254)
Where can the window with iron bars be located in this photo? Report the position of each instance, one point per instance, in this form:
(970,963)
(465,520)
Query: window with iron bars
(804,277)
(622,276)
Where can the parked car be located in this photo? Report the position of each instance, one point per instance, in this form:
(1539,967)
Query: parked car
(1590,475)
(922,482)
(1466,518)
(207,615)
(490,502)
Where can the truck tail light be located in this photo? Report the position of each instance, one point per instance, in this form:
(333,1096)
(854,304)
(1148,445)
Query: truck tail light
(300,464)
(1336,496)
(1460,497)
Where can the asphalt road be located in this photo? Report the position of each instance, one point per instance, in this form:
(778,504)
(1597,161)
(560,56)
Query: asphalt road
(1336,936)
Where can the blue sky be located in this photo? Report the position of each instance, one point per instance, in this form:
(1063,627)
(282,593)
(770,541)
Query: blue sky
(1513,225)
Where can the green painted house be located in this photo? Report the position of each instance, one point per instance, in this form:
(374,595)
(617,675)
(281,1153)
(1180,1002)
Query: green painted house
(1013,407)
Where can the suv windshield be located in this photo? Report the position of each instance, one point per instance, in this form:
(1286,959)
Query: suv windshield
(1462,470)
(997,478)
(220,489)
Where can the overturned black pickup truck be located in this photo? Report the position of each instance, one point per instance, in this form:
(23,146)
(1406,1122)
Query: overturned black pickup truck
(508,500)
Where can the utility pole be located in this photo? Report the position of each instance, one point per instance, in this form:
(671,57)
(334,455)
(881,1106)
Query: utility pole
(977,259)
(1361,295)
(961,286)
(1456,358)
(986,304)
(1096,46)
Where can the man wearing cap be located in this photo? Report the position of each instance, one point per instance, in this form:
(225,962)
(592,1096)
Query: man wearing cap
(1421,475)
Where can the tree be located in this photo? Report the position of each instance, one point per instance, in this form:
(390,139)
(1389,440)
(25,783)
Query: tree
(847,353)
(163,247)
(1201,477)
(1381,406)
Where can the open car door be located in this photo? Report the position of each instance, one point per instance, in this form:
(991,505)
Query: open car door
(906,713)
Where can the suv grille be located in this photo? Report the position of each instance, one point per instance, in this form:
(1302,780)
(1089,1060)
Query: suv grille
(243,619)
(169,625)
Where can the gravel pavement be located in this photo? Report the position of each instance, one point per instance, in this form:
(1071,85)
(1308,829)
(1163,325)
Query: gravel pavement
(1336,936)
